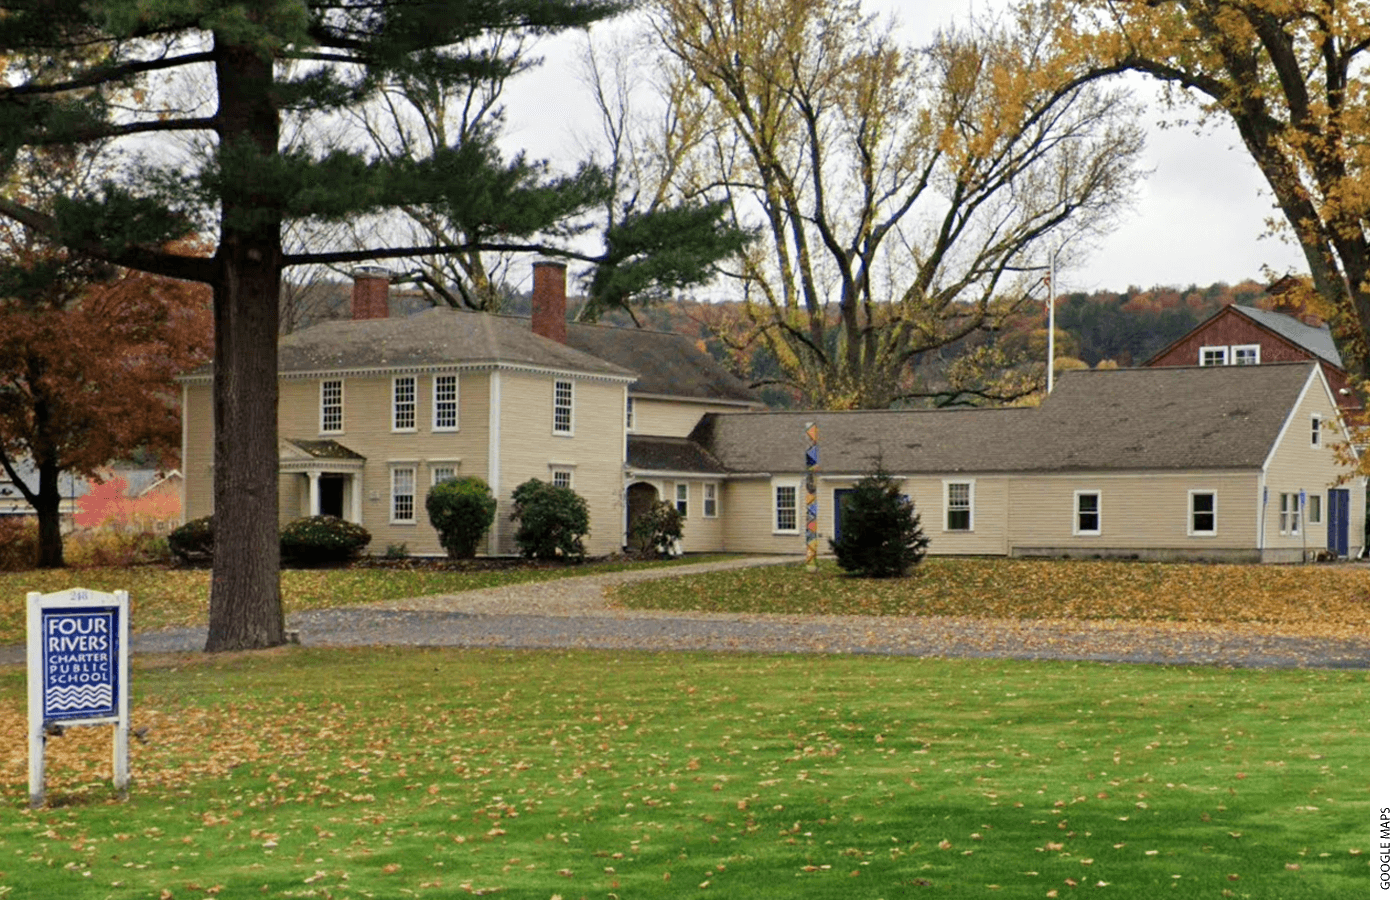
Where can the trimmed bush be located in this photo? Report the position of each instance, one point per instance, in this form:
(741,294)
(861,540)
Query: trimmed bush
(880,532)
(322,539)
(462,510)
(193,542)
(657,531)
(553,520)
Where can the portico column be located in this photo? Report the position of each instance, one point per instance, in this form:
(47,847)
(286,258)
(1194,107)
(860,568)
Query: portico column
(315,505)
(356,484)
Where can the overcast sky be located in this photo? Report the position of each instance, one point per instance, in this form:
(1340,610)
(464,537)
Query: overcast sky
(1198,220)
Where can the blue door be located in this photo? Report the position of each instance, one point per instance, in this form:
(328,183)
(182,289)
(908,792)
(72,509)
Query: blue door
(838,500)
(1338,520)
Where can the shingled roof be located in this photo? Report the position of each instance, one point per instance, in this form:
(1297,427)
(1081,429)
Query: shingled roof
(1224,417)
(669,365)
(649,453)
(1317,341)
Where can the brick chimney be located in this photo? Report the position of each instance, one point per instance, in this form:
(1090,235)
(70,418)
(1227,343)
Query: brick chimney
(547,304)
(370,297)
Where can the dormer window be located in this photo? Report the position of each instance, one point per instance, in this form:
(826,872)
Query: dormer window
(1215,356)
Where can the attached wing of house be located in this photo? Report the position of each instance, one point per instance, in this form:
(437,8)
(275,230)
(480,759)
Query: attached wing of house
(1228,462)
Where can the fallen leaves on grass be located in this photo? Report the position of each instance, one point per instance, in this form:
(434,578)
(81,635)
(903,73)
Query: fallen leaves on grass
(1313,601)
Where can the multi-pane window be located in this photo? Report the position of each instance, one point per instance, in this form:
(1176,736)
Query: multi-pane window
(1202,513)
(1289,511)
(562,478)
(683,500)
(1245,354)
(711,497)
(1086,512)
(1315,431)
(443,473)
(958,506)
(402,494)
(563,407)
(785,507)
(332,406)
(631,416)
(1214,356)
(405,403)
(445,403)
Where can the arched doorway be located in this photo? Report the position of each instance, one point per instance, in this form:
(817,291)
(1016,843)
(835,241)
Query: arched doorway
(640,497)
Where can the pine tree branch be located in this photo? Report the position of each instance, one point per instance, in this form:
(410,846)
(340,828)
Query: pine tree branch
(105,75)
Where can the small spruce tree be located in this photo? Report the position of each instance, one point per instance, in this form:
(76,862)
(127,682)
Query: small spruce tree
(880,532)
(462,510)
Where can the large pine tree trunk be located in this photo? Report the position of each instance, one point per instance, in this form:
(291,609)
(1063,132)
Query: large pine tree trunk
(245,601)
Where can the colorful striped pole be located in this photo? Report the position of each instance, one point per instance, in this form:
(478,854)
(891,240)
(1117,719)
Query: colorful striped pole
(813,461)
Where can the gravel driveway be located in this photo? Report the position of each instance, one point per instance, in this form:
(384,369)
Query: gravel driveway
(574,613)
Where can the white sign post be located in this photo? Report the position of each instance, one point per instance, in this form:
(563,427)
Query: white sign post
(78,673)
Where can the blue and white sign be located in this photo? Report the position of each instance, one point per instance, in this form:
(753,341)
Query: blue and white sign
(78,665)
(81,653)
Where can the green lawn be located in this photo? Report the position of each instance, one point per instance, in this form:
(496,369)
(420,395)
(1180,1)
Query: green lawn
(1323,601)
(407,773)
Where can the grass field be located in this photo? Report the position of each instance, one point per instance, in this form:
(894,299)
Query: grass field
(404,773)
(1316,601)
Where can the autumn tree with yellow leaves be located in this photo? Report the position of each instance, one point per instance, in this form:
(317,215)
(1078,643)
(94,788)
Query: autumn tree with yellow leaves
(1293,77)
(907,198)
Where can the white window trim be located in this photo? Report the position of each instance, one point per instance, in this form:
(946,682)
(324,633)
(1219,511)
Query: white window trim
(1098,512)
(709,494)
(630,414)
(1290,513)
(971,505)
(796,485)
(394,404)
(676,497)
(1235,357)
(565,470)
(1315,500)
(450,468)
(412,469)
(1224,349)
(1315,431)
(554,407)
(321,407)
(456,403)
(1191,496)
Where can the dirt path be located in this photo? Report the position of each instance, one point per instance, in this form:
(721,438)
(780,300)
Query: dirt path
(575,613)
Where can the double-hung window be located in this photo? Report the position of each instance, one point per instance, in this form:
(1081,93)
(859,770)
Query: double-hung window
(445,403)
(1315,431)
(1245,354)
(443,473)
(711,500)
(561,477)
(332,407)
(1215,356)
(683,499)
(957,505)
(1201,513)
(563,407)
(402,492)
(1289,512)
(631,415)
(1086,512)
(785,508)
(1314,509)
(405,403)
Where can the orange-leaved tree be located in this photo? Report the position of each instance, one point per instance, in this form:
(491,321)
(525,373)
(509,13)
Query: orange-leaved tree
(88,356)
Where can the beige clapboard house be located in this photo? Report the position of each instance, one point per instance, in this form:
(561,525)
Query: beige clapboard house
(1205,463)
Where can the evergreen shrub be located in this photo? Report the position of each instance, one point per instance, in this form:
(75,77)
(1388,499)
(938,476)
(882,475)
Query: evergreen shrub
(553,520)
(880,532)
(657,532)
(322,539)
(462,510)
(193,542)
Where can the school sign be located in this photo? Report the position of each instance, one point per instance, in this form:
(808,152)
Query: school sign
(78,668)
